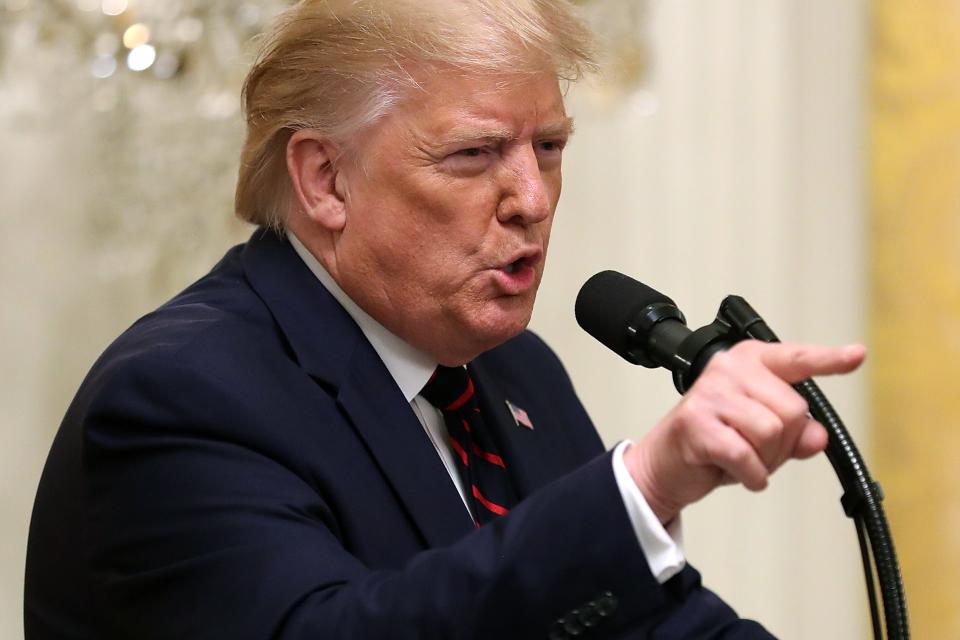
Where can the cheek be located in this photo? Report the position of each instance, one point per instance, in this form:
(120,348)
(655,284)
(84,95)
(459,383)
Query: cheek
(554,183)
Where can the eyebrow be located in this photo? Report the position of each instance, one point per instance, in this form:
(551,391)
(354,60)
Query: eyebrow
(562,127)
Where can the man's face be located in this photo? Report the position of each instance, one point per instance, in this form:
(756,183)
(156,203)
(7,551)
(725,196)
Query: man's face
(448,214)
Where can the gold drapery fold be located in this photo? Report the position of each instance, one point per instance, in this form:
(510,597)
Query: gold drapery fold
(915,314)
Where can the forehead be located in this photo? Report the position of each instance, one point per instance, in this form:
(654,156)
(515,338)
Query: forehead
(451,105)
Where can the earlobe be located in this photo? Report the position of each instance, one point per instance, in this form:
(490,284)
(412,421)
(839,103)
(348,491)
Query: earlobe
(318,186)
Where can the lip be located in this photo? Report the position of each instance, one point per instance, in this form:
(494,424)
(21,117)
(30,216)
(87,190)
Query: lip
(524,276)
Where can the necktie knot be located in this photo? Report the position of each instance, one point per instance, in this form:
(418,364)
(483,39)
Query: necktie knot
(450,389)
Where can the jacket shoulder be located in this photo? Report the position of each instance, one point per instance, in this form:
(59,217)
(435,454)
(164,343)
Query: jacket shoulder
(219,314)
(527,361)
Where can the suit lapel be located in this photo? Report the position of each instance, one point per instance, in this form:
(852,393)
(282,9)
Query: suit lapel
(396,438)
(331,348)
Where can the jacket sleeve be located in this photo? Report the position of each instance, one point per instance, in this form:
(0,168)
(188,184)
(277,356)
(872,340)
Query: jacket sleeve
(200,535)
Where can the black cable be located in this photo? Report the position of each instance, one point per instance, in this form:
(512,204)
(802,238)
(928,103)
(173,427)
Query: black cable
(862,496)
(868,574)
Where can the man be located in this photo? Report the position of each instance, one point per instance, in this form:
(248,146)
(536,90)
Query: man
(266,455)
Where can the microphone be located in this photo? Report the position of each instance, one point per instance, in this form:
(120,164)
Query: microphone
(645,327)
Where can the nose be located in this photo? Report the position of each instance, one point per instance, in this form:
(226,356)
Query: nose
(526,197)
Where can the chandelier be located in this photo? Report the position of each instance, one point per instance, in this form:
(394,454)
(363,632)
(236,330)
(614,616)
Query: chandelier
(148,91)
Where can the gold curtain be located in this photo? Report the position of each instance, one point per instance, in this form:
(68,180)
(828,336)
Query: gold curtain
(915,315)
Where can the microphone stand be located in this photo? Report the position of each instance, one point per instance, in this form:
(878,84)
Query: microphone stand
(862,497)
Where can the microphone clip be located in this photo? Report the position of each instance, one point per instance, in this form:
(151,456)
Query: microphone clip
(736,321)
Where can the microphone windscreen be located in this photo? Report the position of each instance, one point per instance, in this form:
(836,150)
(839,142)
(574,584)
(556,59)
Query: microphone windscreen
(608,302)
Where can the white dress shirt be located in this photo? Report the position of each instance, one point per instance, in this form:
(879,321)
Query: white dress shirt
(411,369)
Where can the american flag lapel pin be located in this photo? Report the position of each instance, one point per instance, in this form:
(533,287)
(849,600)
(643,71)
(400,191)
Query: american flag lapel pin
(519,416)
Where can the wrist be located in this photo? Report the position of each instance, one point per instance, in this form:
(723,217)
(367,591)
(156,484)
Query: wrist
(636,459)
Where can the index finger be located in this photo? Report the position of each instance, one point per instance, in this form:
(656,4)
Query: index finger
(795,362)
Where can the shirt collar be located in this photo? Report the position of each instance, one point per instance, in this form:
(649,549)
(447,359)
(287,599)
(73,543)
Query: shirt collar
(409,367)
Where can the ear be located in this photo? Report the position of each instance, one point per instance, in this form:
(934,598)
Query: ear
(318,185)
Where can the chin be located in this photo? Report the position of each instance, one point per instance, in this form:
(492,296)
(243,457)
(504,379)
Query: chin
(479,346)
(503,327)
(487,330)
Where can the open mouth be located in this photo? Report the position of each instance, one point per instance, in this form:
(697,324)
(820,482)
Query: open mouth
(515,266)
(519,276)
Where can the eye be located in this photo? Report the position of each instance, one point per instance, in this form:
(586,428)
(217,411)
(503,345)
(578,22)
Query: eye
(551,146)
(549,153)
(469,160)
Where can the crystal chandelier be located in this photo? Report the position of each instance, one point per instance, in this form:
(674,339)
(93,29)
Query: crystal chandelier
(149,91)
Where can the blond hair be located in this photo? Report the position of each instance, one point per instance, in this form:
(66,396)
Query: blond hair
(338,66)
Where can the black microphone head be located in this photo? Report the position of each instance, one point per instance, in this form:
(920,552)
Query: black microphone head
(607,305)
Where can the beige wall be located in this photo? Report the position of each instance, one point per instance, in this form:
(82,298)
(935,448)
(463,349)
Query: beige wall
(736,169)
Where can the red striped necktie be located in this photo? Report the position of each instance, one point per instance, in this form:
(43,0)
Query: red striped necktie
(482,470)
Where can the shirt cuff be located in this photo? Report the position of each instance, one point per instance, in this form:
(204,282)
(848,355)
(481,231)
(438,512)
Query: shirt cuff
(663,547)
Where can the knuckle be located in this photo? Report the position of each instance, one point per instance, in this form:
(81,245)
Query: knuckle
(737,454)
(721,362)
(749,348)
(691,410)
(773,428)
(710,396)
(796,355)
(726,358)
(797,409)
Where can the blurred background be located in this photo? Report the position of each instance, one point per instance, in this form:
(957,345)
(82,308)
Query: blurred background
(802,153)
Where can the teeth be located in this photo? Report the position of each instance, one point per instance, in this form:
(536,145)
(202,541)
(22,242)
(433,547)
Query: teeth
(510,268)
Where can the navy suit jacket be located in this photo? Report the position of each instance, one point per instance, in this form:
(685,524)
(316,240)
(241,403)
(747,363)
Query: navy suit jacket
(240,464)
